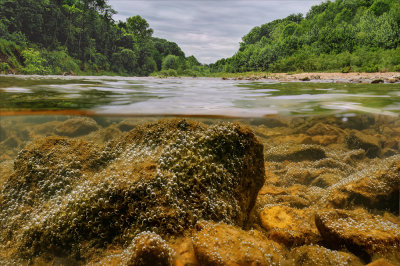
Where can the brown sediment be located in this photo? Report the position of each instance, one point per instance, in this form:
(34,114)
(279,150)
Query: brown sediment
(46,112)
(324,191)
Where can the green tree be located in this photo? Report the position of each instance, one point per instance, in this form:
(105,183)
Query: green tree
(139,27)
(170,62)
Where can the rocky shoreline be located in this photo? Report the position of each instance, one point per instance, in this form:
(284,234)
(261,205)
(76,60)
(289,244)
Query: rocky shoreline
(354,77)
(265,191)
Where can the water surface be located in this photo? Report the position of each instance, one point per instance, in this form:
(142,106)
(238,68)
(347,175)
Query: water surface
(194,96)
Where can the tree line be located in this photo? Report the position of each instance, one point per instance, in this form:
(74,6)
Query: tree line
(81,37)
(343,35)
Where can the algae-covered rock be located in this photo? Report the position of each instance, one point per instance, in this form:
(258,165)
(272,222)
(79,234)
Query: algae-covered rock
(159,177)
(76,127)
(362,233)
(50,166)
(314,255)
(321,129)
(358,140)
(296,196)
(148,248)
(222,244)
(325,180)
(290,226)
(374,187)
(294,152)
(127,125)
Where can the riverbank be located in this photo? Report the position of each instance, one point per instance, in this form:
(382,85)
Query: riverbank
(354,77)
(335,77)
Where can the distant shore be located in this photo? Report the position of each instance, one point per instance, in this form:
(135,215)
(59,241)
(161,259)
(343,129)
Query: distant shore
(335,77)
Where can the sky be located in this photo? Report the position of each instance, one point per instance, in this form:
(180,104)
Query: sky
(208,29)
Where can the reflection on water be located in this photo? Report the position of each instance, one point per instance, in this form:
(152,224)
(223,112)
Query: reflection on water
(195,96)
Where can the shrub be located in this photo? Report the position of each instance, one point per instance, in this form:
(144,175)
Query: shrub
(34,62)
(59,62)
(4,68)
(170,62)
(371,68)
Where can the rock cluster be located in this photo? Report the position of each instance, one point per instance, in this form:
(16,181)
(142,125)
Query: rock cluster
(288,191)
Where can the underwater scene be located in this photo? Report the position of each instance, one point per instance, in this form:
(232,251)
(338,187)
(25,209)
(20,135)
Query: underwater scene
(198,171)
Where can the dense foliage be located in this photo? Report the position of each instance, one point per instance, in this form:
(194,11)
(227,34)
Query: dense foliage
(80,36)
(344,35)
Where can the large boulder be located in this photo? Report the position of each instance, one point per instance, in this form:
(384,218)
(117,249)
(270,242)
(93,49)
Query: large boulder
(68,194)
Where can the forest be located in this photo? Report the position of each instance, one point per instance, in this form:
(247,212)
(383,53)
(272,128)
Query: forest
(81,37)
(340,36)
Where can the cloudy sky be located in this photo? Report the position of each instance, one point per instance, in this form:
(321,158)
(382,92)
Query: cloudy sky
(208,29)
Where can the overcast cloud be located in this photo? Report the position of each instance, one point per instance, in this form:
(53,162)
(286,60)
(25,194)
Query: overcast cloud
(209,30)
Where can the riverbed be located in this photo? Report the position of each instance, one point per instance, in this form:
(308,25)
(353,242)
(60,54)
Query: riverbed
(198,171)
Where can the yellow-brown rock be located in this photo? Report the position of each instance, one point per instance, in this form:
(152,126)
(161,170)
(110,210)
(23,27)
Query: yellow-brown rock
(362,233)
(296,196)
(380,262)
(222,244)
(375,187)
(290,226)
(296,138)
(184,252)
(314,255)
(324,139)
(148,248)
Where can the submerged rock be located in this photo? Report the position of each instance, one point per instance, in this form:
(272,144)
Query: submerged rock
(222,244)
(161,177)
(380,262)
(321,129)
(374,187)
(362,233)
(296,196)
(316,255)
(290,226)
(294,152)
(76,127)
(148,248)
(358,140)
